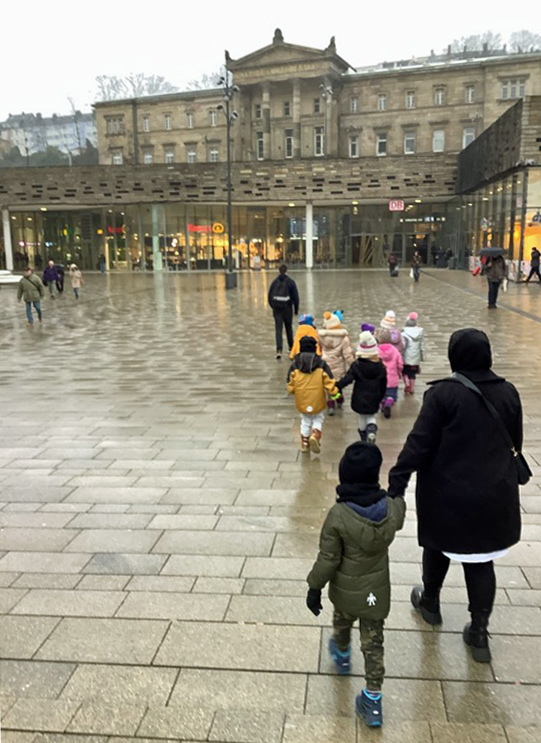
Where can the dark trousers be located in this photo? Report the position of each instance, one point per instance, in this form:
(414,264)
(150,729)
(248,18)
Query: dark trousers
(283,317)
(480,580)
(493,289)
(533,272)
(371,645)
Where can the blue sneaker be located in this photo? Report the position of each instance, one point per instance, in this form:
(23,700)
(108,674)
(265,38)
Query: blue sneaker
(342,660)
(368,709)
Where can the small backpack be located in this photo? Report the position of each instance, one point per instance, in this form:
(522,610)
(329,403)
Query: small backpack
(280,297)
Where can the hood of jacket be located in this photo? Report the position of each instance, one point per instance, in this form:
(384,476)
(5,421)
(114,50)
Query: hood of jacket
(469,350)
(333,332)
(370,369)
(413,332)
(387,352)
(371,536)
(307,362)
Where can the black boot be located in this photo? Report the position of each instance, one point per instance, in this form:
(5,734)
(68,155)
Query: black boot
(476,636)
(429,608)
(363,435)
(371,431)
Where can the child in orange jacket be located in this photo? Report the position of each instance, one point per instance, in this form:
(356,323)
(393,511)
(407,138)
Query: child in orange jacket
(307,327)
(309,379)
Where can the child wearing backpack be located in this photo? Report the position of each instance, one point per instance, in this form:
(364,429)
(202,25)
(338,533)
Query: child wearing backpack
(354,560)
(309,379)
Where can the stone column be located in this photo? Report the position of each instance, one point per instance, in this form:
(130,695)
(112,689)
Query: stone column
(309,235)
(157,219)
(328,101)
(6,224)
(296,110)
(265,110)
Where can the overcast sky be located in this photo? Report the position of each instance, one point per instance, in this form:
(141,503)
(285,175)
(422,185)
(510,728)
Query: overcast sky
(55,49)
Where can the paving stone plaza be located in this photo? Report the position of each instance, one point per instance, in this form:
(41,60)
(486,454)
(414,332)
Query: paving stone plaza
(157,523)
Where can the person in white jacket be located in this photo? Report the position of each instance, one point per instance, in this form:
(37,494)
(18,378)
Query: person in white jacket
(413,338)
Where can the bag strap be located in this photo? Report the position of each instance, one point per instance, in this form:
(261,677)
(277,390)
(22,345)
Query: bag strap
(491,409)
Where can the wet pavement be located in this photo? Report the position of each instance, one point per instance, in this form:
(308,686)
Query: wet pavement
(157,523)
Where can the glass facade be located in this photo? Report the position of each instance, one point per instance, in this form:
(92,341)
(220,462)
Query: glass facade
(505,213)
(180,236)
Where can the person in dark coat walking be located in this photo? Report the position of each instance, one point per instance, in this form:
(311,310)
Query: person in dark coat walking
(495,269)
(283,299)
(467,492)
(534,265)
(50,277)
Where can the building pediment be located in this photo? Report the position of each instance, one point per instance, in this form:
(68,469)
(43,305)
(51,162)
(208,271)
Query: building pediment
(282,61)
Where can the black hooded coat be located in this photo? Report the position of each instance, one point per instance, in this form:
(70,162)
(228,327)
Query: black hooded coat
(467,490)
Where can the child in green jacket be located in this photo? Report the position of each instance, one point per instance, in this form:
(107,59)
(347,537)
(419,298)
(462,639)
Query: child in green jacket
(354,559)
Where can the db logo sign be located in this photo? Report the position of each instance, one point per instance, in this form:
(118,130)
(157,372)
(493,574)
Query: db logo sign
(396,205)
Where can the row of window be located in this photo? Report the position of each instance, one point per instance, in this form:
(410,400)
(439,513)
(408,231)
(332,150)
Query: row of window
(169,156)
(510,89)
(410,142)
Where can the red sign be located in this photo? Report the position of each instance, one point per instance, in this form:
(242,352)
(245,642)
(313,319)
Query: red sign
(200,228)
(396,205)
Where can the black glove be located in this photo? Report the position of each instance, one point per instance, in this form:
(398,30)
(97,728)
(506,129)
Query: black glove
(313,601)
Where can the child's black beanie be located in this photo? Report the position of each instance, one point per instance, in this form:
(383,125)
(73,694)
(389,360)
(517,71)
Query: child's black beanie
(360,463)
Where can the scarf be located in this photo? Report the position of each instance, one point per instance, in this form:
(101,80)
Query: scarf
(362,494)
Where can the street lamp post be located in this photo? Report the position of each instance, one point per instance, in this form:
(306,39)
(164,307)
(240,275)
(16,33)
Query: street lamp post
(230,116)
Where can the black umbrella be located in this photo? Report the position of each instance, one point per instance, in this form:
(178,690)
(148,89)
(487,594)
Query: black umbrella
(491,252)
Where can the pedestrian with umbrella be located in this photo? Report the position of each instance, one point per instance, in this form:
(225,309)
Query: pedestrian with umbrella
(495,270)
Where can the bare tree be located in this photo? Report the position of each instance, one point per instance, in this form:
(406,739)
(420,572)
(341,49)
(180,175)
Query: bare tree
(134,85)
(477,42)
(524,41)
(204,82)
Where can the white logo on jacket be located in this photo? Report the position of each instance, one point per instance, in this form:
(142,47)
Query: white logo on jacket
(371,600)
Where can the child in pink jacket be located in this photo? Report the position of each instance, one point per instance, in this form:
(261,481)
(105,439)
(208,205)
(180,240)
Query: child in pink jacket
(392,358)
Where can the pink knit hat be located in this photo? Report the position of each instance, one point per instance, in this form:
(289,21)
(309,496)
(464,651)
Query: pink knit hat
(412,319)
(368,346)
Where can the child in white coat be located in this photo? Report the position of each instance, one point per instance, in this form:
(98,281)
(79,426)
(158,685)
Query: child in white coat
(413,338)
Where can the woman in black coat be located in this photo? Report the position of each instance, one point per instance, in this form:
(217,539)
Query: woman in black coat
(467,488)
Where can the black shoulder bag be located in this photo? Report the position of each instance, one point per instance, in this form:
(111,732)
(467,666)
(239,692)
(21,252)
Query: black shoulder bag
(523,470)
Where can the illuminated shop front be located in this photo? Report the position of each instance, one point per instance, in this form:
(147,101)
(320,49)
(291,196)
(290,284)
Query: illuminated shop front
(180,237)
(505,213)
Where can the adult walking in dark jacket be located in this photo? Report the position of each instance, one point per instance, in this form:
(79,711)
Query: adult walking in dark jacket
(50,277)
(467,488)
(283,300)
(495,270)
(534,265)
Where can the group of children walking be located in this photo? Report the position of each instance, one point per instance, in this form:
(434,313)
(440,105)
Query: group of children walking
(325,362)
(358,530)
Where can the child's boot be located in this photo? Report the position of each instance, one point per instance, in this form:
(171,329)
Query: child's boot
(315,441)
(330,407)
(305,443)
(412,386)
(340,401)
(341,658)
(368,708)
(386,407)
(363,435)
(371,433)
